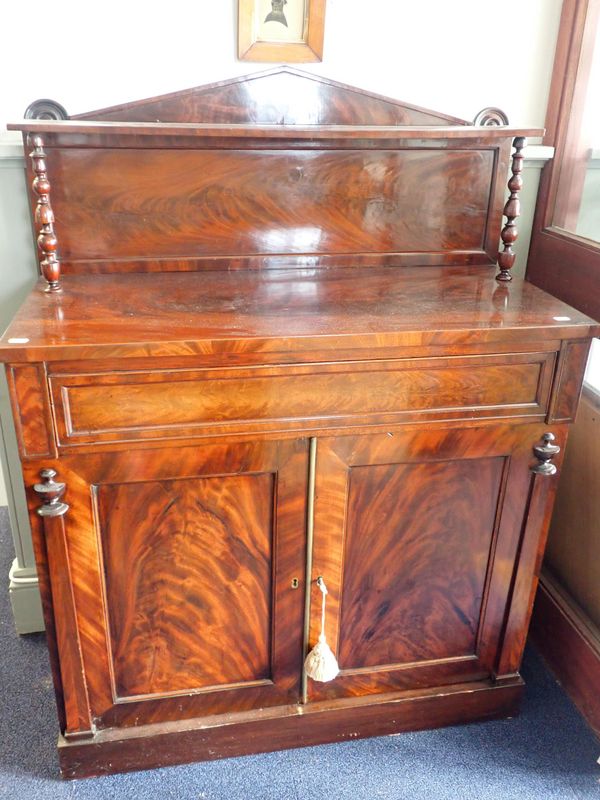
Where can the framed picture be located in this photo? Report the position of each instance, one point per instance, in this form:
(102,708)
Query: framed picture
(281,30)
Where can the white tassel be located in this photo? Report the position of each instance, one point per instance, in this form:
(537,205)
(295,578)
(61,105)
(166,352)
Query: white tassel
(320,664)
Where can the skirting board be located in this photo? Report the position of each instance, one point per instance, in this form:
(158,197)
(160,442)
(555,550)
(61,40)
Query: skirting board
(265,730)
(25,600)
(570,644)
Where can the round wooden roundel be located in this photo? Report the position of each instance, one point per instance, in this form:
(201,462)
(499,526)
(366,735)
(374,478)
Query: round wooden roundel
(490,116)
(45,109)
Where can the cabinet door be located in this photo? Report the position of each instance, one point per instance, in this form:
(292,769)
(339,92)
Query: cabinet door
(187,568)
(428,541)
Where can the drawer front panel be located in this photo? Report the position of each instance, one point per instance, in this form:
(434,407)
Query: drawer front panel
(171,404)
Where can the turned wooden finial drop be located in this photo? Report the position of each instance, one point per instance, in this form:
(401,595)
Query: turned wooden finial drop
(512,209)
(50,493)
(44,218)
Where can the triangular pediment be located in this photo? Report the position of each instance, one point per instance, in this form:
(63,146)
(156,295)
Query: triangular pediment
(282,96)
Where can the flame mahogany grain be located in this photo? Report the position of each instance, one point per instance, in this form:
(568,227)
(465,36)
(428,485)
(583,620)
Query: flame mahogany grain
(248,266)
(405,599)
(275,165)
(31,410)
(236,315)
(126,406)
(415,531)
(272,97)
(181,561)
(211,204)
(187,568)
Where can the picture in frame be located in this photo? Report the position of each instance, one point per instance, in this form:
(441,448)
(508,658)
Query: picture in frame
(281,30)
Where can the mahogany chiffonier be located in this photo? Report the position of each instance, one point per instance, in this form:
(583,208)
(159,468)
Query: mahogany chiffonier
(273,340)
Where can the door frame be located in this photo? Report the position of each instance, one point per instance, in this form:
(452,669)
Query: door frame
(563,263)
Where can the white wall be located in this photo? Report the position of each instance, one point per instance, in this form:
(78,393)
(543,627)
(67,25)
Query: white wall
(450,55)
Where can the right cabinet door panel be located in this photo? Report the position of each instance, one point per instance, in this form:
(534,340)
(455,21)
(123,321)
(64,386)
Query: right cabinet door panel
(424,539)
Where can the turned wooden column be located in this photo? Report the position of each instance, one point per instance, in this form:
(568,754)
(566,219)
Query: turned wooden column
(512,210)
(52,510)
(44,217)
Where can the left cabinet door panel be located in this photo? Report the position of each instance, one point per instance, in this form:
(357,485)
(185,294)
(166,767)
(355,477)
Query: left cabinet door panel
(184,563)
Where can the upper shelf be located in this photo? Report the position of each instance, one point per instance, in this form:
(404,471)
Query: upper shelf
(235,131)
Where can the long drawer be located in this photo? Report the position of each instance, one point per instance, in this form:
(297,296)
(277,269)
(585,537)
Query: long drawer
(124,406)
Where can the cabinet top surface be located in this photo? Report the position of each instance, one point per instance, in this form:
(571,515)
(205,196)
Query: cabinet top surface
(178,314)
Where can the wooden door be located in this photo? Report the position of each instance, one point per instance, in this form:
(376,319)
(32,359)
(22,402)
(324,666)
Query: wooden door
(187,567)
(428,541)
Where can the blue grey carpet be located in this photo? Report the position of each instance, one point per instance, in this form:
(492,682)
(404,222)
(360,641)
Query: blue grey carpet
(547,753)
